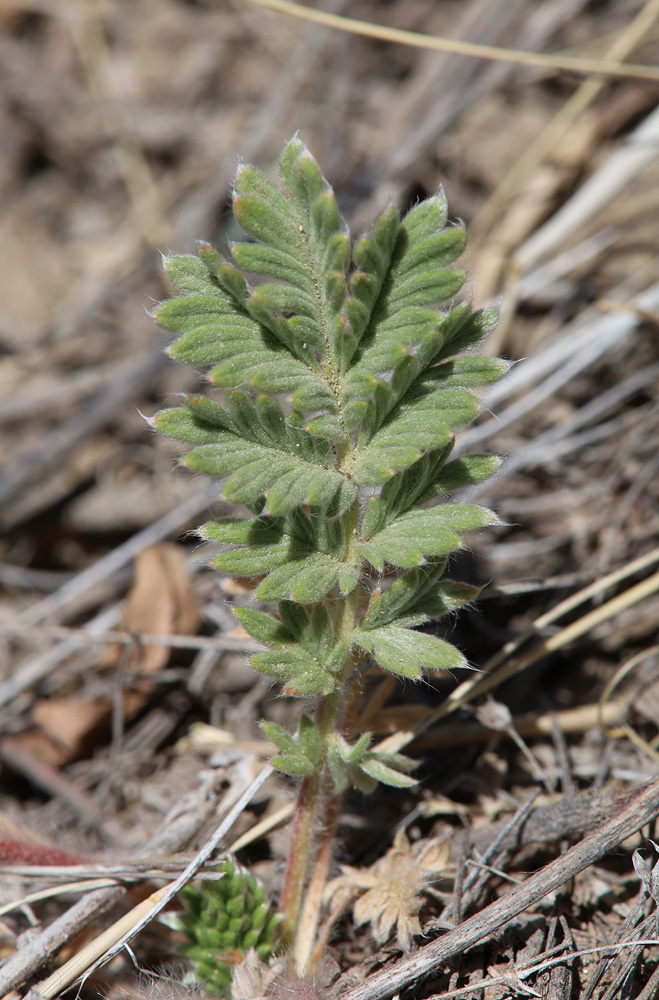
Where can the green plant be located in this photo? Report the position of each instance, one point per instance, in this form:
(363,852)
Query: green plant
(340,383)
(224,919)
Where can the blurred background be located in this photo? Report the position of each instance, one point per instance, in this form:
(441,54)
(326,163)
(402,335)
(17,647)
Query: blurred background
(121,125)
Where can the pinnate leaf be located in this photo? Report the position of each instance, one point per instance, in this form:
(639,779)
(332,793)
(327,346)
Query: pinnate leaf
(260,545)
(407,653)
(263,627)
(309,738)
(417,597)
(430,531)
(399,444)
(299,756)
(308,251)
(379,766)
(312,629)
(216,330)
(255,470)
(300,673)
(469,372)
(337,372)
(467,471)
(303,657)
(280,737)
(303,581)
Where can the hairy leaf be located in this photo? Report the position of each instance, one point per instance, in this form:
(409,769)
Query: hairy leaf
(304,656)
(281,738)
(300,756)
(307,250)
(372,255)
(469,372)
(217,331)
(264,628)
(417,597)
(339,378)
(407,653)
(379,766)
(303,581)
(399,444)
(473,329)
(405,490)
(467,471)
(314,630)
(310,742)
(255,470)
(260,545)
(299,673)
(430,531)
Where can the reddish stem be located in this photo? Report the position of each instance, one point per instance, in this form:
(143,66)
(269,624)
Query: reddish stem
(298,857)
(25,852)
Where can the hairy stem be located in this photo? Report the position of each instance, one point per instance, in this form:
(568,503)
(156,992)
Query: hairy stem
(305,942)
(317,810)
(302,843)
(307,948)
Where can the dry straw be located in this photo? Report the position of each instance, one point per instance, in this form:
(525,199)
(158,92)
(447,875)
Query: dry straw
(555,61)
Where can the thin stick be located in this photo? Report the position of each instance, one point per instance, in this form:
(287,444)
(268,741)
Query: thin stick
(265,826)
(587,343)
(638,149)
(580,719)
(571,64)
(613,683)
(586,93)
(562,436)
(111,941)
(474,876)
(77,965)
(49,452)
(35,668)
(171,523)
(218,643)
(140,182)
(176,832)
(546,963)
(86,885)
(570,603)
(120,874)
(431,957)
(590,328)
(482,683)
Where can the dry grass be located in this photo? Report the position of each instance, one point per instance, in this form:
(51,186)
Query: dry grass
(123,124)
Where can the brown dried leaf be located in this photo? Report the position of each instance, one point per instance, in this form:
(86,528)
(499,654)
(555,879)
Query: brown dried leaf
(160,602)
(71,722)
(34,276)
(40,747)
(252,979)
(393,887)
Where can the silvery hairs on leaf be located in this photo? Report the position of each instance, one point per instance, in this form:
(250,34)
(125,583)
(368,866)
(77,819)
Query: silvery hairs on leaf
(339,373)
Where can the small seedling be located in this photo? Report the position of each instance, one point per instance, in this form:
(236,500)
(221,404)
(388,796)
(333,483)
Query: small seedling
(222,921)
(340,375)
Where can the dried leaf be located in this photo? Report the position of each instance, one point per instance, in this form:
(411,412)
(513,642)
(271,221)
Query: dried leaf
(392,887)
(253,979)
(71,722)
(160,602)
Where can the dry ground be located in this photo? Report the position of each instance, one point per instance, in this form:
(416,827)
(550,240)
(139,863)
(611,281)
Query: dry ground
(122,122)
